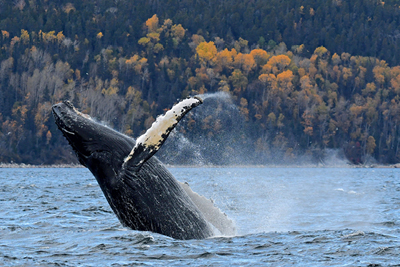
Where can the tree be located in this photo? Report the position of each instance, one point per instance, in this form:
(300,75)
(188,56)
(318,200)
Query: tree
(371,145)
(284,80)
(245,62)
(238,80)
(260,56)
(206,51)
(224,59)
(276,64)
(321,52)
(24,36)
(152,24)
(178,32)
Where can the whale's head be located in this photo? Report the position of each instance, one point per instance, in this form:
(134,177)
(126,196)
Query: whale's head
(106,152)
(94,144)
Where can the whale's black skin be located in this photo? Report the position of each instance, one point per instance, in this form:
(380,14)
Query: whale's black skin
(144,197)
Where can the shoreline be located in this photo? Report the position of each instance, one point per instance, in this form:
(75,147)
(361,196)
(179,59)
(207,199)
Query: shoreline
(372,166)
(23,165)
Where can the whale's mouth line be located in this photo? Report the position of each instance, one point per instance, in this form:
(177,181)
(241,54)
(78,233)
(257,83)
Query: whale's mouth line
(66,131)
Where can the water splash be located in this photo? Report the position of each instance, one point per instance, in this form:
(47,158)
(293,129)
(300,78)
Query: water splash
(178,149)
(225,96)
(212,134)
(334,158)
(217,133)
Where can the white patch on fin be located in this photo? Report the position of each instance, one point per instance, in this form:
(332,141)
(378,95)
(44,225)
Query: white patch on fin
(154,135)
(149,143)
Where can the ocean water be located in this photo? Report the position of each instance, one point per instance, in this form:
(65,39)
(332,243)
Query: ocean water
(284,217)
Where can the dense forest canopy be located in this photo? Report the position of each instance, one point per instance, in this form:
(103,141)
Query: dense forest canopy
(302,77)
(359,27)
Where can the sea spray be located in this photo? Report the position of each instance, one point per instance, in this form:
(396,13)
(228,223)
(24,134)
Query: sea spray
(179,150)
(225,96)
(334,158)
(214,134)
(217,134)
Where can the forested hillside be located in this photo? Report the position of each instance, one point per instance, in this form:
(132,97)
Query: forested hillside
(303,78)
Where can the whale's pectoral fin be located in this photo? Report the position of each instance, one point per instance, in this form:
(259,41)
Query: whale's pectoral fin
(150,142)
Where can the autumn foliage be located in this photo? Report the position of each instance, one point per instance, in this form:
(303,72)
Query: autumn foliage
(290,104)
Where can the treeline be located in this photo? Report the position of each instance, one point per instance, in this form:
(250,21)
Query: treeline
(291,104)
(359,27)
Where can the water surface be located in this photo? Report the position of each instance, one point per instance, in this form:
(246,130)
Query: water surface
(284,216)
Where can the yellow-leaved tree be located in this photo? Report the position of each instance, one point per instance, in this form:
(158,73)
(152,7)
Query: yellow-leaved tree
(206,52)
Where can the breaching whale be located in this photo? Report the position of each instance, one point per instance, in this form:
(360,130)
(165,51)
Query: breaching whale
(143,194)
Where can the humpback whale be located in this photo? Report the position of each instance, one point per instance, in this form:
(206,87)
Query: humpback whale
(140,190)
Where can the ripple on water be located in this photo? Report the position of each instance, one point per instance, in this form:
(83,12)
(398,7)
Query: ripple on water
(63,220)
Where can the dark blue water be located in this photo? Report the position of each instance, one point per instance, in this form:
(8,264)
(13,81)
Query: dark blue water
(284,216)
